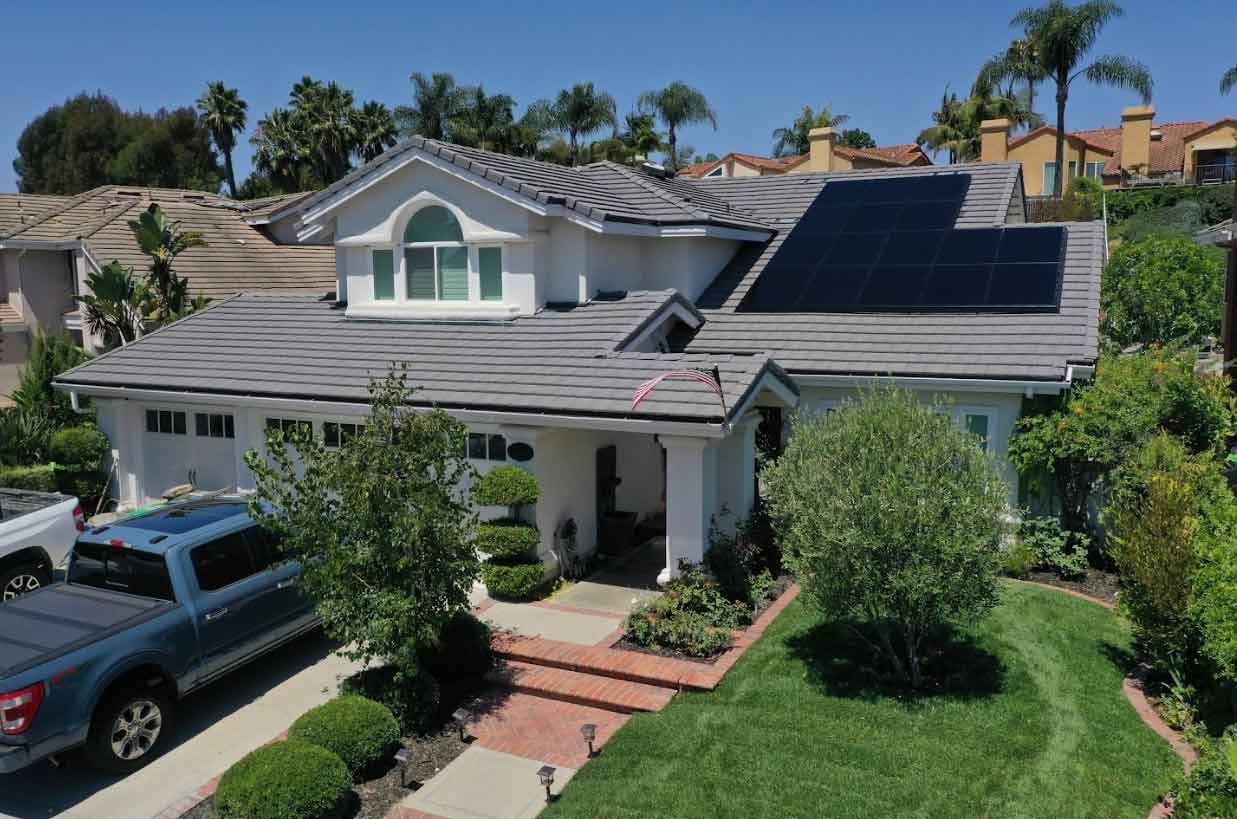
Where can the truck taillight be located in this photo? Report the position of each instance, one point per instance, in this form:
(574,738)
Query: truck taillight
(17,709)
(79,519)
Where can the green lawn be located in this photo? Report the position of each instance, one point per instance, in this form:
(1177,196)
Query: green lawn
(796,730)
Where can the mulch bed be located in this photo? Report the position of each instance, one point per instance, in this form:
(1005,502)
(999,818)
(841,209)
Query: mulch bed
(383,790)
(1096,583)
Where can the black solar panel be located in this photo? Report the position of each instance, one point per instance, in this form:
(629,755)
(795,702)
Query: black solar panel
(891,243)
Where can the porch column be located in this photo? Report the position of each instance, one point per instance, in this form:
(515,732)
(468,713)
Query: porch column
(736,472)
(687,519)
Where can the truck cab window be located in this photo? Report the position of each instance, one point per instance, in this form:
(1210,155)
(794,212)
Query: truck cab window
(222,562)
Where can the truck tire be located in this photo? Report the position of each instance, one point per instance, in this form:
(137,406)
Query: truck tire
(128,728)
(22,579)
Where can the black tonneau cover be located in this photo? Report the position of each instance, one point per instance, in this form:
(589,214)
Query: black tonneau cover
(48,623)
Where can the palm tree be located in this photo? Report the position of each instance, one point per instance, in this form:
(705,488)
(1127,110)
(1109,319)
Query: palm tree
(582,110)
(483,120)
(677,104)
(375,130)
(114,304)
(324,116)
(1019,63)
(794,140)
(1063,35)
(1228,80)
(950,131)
(223,112)
(436,99)
(163,240)
(529,133)
(278,152)
(641,135)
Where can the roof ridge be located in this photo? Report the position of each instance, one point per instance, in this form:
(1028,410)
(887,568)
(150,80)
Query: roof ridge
(74,201)
(108,219)
(658,191)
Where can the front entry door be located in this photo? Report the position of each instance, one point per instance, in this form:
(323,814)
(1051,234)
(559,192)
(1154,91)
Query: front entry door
(607,485)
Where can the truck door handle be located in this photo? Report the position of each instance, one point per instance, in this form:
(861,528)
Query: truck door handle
(215,615)
(283,584)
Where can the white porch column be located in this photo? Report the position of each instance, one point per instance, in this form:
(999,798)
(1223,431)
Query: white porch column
(736,472)
(687,518)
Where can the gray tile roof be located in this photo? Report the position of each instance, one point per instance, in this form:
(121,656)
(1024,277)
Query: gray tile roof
(20,209)
(603,191)
(559,361)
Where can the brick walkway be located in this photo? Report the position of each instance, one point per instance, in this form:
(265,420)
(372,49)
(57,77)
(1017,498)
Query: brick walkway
(539,728)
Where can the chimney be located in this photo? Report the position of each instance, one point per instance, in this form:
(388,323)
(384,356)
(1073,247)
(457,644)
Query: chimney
(1136,138)
(820,155)
(994,140)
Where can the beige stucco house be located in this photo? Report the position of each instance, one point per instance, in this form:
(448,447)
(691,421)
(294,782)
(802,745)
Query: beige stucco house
(825,155)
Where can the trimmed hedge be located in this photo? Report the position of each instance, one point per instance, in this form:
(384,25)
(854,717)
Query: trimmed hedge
(413,702)
(83,446)
(506,486)
(356,729)
(513,581)
(284,780)
(462,649)
(37,478)
(507,538)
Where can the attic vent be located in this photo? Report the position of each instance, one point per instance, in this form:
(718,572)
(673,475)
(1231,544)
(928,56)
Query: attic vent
(1156,133)
(134,194)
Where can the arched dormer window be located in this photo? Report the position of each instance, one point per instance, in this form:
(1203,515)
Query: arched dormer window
(438,265)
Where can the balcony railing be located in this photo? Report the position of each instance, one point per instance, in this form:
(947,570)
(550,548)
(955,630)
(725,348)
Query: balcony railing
(1221,173)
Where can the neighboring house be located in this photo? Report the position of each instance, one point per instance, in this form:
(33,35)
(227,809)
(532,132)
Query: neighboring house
(531,300)
(50,244)
(1139,152)
(826,155)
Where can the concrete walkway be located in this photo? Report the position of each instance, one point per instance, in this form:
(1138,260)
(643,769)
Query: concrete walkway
(483,784)
(213,729)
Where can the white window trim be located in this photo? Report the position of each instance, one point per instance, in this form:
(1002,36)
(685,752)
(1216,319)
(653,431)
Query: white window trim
(960,412)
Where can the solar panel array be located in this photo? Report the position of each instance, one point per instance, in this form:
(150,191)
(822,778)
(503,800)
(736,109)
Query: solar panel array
(890,244)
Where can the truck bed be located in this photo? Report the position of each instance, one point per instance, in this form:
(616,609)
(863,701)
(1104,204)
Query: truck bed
(55,620)
(17,502)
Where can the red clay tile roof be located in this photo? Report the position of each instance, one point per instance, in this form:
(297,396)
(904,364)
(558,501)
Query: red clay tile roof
(892,155)
(1167,152)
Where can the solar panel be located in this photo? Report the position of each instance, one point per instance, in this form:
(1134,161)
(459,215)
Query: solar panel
(890,244)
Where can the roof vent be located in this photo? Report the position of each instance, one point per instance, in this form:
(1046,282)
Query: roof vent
(1156,134)
(653,169)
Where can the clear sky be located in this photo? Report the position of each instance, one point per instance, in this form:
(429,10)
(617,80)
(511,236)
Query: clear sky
(884,63)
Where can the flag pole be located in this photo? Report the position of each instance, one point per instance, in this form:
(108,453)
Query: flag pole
(721,394)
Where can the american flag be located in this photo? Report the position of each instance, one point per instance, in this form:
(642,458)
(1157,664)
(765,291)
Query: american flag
(712,380)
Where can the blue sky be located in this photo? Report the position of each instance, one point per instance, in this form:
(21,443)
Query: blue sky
(885,63)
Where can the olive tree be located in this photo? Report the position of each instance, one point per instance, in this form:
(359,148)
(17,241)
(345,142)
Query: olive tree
(383,532)
(890,516)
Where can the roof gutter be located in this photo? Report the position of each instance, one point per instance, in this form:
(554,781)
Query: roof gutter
(1025,387)
(41,244)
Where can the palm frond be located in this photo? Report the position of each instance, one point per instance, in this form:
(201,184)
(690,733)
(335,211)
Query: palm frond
(1121,72)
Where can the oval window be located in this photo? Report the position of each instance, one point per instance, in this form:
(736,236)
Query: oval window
(520,452)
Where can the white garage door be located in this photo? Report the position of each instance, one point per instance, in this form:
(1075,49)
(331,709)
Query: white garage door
(192,447)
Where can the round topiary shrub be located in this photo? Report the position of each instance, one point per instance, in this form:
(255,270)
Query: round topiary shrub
(83,446)
(506,539)
(506,486)
(414,701)
(356,729)
(462,650)
(284,780)
(513,581)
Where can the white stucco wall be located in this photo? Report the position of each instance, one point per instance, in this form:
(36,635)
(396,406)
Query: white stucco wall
(39,284)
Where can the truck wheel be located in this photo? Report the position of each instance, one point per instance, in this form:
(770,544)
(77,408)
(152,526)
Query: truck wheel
(127,728)
(22,579)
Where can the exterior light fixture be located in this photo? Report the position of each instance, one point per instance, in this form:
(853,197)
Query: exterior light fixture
(460,717)
(402,757)
(546,775)
(589,732)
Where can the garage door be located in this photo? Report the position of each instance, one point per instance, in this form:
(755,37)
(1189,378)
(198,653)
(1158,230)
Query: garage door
(189,447)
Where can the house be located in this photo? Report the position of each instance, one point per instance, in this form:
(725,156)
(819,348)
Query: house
(50,244)
(826,155)
(531,300)
(1140,151)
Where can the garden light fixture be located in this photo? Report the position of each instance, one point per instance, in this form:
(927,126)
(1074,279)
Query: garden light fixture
(589,732)
(546,775)
(460,717)
(402,757)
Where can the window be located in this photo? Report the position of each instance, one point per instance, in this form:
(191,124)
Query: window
(166,422)
(437,264)
(288,425)
(214,425)
(977,424)
(1095,170)
(720,170)
(1050,175)
(337,434)
(264,548)
(127,570)
(483,447)
(222,562)
(490,261)
(384,275)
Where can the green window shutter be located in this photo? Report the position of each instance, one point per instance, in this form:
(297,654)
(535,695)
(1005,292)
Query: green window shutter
(384,275)
(978,425)
(490,260)
(453,273)
(433,224)
(420,264)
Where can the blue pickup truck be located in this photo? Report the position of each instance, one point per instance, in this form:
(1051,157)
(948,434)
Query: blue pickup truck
(152,607)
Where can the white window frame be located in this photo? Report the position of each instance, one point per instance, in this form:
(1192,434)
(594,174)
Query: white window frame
(720,170)
(962,411)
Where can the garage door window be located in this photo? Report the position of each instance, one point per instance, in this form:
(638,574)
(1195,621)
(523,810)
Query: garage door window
(165,422)
(336,435)
(214,425)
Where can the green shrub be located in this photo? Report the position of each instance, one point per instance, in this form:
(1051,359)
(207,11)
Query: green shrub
(1185,217)
(1215,579)
(462,650)
(696,592)
(25,437)
(82,445)
(1209,791)
(506,538)
(513,580)
(37,478)
(50,355)
(1052,547)
(738,560)
(413,700)
(358,730)
(506,486)
(284,780)
(657,623)
(1018,559)
(1215,202)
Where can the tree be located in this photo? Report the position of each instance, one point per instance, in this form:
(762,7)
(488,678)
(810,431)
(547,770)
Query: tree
(582,110)
(114,305)
(163,240)
(640,134)
(278,153)
(681,157)
(436,100)
(1018,63)
(483,121)
(1163,289)
(1063,36)
(375,130)
(794,140)
(50,355)
(1228,80)
(957,123)
(224,113)
(675,105)
(383,534)
(323,114)
(856,138)
(951,129)
(890,516)
(168,149)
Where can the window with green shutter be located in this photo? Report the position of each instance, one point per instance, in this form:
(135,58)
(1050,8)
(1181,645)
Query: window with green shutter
(490,260)
(419,266)
(453,273)
(977,424)
(384,275)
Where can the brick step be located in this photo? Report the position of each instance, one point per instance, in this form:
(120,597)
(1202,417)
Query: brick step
(601,661)
(582,689)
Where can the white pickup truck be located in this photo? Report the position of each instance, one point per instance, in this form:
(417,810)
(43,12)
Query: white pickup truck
(37,530)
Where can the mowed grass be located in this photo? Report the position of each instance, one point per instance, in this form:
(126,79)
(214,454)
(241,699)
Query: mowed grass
(1036,726)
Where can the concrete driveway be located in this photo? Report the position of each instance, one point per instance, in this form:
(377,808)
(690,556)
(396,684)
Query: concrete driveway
(214,727)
